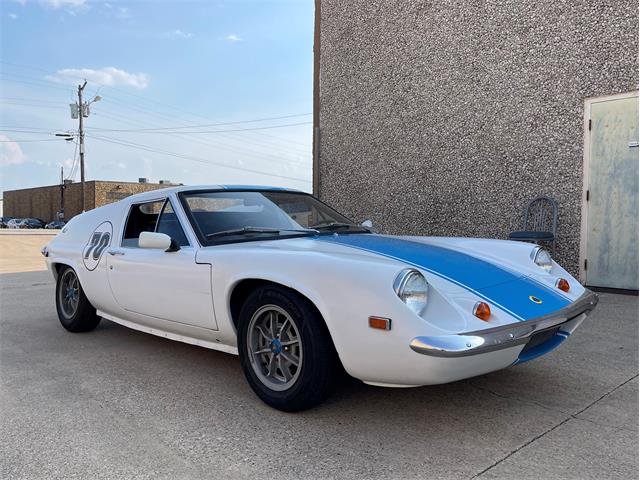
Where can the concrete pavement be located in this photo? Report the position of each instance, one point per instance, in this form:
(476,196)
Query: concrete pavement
(116,403)
(20,249)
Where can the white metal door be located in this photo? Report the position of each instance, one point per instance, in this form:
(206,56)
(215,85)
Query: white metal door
(610,229)
(166,285)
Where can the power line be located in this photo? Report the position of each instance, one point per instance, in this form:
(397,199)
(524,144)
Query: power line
(128,104)
(21,140)
(179,129)
(173,108)
(74,163)
(24,127)
(171,130)
(22,104)
(25,131)
(188,157)
(37,83)
(35,100)
(213,144)
(265,144)
(196,159)
(221,124)
(262,134)
(182,135)
(244,151)
(202,131)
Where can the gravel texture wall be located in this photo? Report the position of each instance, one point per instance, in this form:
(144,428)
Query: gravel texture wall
(446,117)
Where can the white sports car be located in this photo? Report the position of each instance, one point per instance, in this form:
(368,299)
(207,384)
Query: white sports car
(300,292)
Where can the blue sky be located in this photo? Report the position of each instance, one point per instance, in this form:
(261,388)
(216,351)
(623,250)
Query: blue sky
(182,66)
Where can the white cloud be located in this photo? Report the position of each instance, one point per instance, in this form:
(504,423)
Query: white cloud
(180,34)
(10,152)
(12,16)
(233,38)
(63,3)
(109,76)
(117,11)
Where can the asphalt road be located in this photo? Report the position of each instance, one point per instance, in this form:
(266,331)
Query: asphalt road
(115,403)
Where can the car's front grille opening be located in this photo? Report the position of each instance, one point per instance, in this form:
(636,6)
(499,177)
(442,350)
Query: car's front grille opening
(539,338)
(540,343)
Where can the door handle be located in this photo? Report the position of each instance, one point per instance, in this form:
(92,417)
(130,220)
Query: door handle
(113,251)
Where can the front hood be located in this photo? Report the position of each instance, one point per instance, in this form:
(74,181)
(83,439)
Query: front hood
(503,287)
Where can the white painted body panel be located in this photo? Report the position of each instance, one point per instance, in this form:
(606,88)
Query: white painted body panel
(185,295)
(171,287)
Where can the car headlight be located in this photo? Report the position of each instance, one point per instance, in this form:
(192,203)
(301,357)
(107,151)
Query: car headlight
(412,288)
(542,258)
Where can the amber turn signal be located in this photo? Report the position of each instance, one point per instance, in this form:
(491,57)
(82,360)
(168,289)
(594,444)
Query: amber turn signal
(380,323)
(563,285)
(482,311)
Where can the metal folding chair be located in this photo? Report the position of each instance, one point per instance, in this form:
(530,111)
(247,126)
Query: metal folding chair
(540,222)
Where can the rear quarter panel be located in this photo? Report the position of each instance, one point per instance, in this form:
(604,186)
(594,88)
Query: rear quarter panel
(69,246)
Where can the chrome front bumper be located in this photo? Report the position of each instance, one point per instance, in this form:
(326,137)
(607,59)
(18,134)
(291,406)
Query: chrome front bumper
(504,336)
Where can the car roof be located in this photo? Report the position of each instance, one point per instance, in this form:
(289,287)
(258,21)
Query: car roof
(194,188)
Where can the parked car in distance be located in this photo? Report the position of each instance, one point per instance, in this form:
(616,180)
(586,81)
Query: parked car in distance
(14,223)
(55,225)
(31,223)
(301,292)
(4,221)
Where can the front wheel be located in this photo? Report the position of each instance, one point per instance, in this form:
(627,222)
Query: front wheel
(75,312)
(285,349)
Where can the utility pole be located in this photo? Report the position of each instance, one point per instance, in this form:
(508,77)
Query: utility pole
(61,213)
(81,113)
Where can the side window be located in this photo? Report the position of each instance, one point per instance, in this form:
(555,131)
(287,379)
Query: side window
(142,218)
(170,225)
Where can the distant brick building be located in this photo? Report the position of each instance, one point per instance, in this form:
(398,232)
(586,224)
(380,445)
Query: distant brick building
(45,202)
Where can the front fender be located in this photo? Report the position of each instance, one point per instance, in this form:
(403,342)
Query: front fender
(346,290)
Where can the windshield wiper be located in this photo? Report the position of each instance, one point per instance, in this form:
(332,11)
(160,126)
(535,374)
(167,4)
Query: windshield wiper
(244,230)
(337,225)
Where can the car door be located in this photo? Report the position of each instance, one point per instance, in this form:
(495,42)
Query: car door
(165,285)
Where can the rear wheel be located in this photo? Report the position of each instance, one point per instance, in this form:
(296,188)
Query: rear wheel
(285,349)
(75,312)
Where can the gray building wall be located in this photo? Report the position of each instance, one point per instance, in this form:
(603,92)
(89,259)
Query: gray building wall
(446,117)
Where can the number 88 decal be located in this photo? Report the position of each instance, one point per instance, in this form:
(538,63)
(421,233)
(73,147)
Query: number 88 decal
(98,242)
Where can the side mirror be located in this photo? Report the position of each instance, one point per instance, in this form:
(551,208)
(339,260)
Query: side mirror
(156,240)
(367,223)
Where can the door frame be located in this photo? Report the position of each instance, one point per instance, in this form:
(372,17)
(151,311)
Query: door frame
(588,102)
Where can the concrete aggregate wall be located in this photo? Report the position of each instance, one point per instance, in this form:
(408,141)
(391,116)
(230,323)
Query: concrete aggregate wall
(446,117)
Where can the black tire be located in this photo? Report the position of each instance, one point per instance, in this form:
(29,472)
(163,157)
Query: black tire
(319,367)
(81,316)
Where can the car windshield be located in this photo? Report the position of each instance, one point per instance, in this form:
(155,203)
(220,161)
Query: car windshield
(230,216)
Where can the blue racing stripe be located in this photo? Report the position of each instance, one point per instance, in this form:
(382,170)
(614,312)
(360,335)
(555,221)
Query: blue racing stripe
(503,288)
